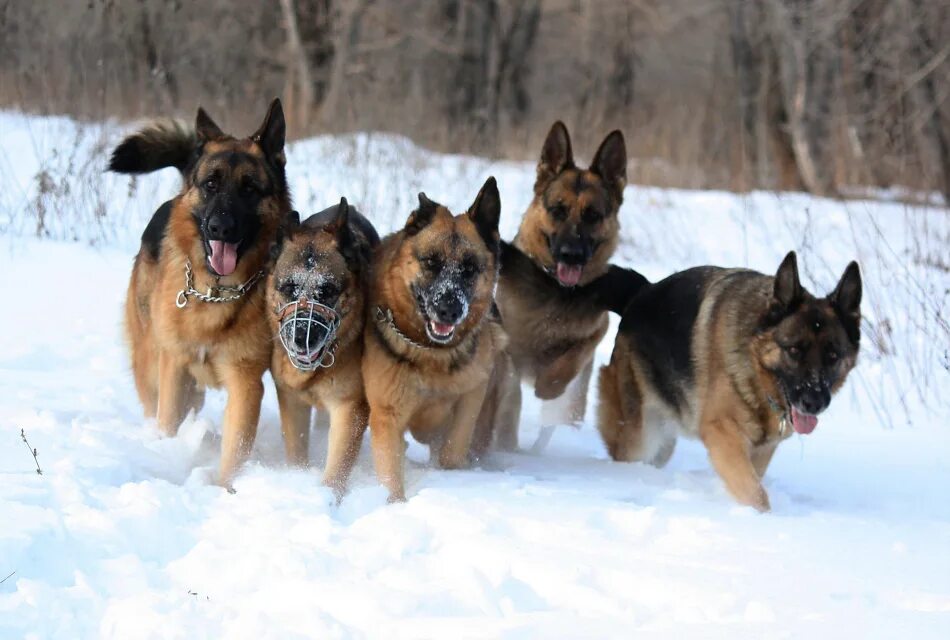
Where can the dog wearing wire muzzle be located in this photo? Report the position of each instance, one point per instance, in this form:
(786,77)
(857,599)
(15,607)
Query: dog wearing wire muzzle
(432,335)
(194,312)
(316,298)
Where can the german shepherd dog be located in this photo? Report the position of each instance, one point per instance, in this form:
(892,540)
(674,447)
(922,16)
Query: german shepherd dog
(569,232)
(316,292)
(734,357)
(194,312)
(432,339)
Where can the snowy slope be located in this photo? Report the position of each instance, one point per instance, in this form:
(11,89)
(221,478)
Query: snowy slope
(123,536)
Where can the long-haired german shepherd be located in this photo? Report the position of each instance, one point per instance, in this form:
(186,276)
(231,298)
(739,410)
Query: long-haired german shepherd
(732,356)
(432,338)
(316,294)
(194,313)
(569,232)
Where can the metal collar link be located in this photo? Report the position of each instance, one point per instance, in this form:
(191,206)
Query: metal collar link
(221,293)
(782,415)
(386,317)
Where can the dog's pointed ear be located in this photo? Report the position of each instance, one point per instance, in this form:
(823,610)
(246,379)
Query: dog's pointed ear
(610,163)
(485,212)
(421,217)
(556,156)
(846,297)
(205,127)
(787,289)
(284,231)
(340,225)
(272,133)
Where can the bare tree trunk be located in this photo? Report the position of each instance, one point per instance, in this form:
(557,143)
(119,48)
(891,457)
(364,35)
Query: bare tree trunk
(300,66)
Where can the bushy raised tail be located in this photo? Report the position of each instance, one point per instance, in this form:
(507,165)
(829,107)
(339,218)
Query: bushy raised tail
(166,143)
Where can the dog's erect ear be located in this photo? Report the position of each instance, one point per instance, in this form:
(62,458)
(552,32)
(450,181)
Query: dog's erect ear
(788,288)
(610,163)
(272,132)
(556,156)
(206,128)
(846,297)
(485,213)
(421,217)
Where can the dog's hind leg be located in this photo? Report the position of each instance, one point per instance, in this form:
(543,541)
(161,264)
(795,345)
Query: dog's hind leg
(620,410)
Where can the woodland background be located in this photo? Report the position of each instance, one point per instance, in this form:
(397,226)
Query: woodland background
(826,96)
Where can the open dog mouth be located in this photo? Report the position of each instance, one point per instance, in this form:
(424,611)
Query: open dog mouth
(803,423)
(569,274)
(223,256)
(440,332)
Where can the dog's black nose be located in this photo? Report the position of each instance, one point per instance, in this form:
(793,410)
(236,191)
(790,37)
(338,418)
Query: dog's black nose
(448,309)
(814,401)
(222,227)
(308,341)
(572,252)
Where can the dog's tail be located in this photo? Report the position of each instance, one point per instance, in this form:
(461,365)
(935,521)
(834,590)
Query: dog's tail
(617,287)
(165,143)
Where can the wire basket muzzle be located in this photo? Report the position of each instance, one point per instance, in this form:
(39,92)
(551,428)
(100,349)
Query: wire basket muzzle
(307,333)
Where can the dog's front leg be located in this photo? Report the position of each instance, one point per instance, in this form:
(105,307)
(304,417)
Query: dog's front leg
(455,448)
(245,391)
(554,378)
(173,391)
(347,424)
(294,426)
(731,456)
(387,425)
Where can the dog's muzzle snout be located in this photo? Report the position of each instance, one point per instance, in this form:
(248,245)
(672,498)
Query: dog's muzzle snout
(308,332)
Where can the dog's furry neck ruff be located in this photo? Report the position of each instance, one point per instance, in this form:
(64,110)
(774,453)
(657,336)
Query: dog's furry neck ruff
(405,348)
(221,293)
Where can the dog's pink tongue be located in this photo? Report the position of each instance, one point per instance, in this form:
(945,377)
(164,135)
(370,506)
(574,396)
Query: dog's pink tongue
(802,422)
(223,257)
(569,275)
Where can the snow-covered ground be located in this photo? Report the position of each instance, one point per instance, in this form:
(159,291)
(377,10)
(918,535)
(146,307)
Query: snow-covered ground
(122,536)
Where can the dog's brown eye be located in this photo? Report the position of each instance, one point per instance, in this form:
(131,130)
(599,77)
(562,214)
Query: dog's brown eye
(558,212)
(793,351)
(831,356)
(211,185)
(249,188)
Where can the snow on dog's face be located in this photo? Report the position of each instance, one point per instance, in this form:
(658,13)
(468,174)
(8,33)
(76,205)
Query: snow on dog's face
(449,265)
(809,344)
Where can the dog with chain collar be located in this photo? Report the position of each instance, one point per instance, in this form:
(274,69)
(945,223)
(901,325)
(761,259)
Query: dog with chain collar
(432,338)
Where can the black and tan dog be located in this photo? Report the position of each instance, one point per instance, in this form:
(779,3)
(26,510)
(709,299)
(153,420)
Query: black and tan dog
(569,232)
(432,339)
(734,357)
(194,313)
(316,291)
